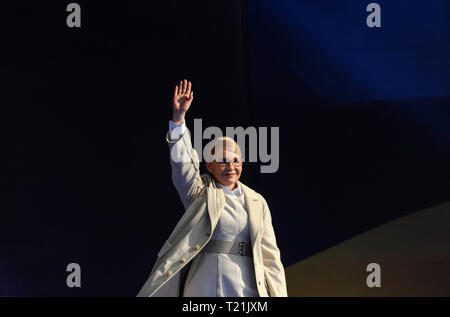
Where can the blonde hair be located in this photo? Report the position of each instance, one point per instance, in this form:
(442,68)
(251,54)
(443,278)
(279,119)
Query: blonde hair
(222,143)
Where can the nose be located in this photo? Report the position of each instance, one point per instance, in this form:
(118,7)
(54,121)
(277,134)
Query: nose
(229,165)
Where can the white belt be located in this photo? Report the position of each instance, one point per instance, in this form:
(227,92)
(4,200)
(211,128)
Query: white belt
(229,247)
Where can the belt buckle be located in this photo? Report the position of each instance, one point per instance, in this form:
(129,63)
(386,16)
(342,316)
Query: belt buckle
(241,248)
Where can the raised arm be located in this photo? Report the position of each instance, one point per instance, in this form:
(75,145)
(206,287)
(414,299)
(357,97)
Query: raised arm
(183,158)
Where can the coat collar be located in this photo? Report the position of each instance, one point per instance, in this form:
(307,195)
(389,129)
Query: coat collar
(255,211)
(216,202)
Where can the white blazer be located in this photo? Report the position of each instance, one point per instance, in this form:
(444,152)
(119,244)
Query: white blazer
(204,202)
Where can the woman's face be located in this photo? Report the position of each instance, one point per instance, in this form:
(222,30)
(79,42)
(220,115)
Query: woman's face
(226,172)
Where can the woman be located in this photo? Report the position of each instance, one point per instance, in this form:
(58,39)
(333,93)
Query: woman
(224,243)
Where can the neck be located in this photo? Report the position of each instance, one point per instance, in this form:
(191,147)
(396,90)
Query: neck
(233,187)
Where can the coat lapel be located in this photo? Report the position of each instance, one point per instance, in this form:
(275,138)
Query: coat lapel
(254,212)
(216,202)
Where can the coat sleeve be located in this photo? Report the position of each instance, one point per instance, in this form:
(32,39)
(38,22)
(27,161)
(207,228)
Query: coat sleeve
(185,167)
(273,268)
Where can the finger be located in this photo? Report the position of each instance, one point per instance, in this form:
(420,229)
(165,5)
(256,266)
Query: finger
(176,90)
(180,88)
(184,86)
(188,92)
(192,95)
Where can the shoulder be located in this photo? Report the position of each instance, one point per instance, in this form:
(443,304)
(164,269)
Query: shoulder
(251,193)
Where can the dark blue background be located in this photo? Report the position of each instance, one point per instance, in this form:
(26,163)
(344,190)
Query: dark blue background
(364,114)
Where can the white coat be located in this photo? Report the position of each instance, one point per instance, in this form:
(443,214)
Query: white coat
(204,202)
